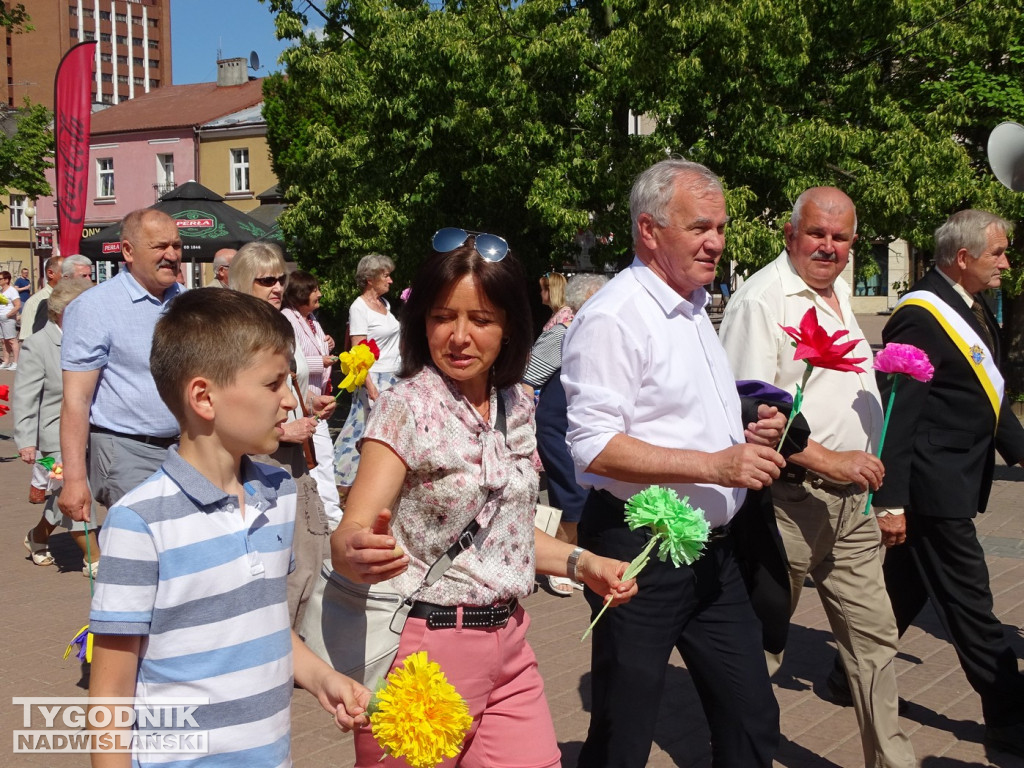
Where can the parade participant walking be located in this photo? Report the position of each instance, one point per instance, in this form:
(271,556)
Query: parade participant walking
(819,499)
(659,405)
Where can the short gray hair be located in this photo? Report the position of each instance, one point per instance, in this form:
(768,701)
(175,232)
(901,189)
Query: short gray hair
(63,294)
(67,269)
(581,287)
(965,229)
(52,264)
(370,267)
(221,258)
(251,259)
(653,189)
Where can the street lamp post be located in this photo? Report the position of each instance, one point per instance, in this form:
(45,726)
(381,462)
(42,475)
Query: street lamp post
(30,212)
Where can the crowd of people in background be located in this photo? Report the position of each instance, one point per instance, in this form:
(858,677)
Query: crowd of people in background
(627,385)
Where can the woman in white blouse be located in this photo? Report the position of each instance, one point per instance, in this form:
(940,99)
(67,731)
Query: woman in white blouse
(369,317)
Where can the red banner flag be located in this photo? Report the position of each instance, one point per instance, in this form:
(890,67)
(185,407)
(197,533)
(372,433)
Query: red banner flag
(72,110)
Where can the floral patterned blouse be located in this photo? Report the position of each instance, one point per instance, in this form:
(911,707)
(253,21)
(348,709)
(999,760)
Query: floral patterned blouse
(457,464)
(563,315)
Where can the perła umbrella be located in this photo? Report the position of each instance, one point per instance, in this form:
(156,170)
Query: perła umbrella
(205,221)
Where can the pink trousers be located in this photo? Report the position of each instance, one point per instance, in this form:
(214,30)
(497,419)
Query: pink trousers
(496,672)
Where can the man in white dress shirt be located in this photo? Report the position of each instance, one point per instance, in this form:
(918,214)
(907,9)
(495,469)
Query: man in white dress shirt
(652,401)
(819,500)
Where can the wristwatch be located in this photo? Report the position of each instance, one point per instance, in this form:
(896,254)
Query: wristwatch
(573,561)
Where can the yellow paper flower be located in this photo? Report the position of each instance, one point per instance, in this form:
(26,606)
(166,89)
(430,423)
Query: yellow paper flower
(418,715)
(355,364)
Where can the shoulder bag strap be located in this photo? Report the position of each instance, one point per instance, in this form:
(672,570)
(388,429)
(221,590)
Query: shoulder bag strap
(465,539)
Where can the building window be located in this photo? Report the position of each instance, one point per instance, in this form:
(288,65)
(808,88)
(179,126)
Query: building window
(122,60)
(104,37)
(90,35)
(120,17)
(18,218)
(105,57)
(153,22)
(123,79)
(73,33)
(106,77)
(122,39)
(871,276)
(139,80)
(105,177)
(239,170)
(154,43)
(105,15)
(137,42)
(154,83)
(106,98)
(154,63)
(137,61)
(165,172)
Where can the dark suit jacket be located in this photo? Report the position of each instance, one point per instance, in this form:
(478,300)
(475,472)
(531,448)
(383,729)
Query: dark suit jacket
(940,447)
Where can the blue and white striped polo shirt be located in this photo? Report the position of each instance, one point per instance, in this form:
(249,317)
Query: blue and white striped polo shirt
(206,590)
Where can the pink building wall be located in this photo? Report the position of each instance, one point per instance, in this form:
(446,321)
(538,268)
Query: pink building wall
(135,173)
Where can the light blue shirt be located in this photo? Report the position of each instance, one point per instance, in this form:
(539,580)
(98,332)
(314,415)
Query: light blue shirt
(110,328)
(206,588)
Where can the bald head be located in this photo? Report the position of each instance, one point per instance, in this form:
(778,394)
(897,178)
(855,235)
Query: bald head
(222,264)
(820,236)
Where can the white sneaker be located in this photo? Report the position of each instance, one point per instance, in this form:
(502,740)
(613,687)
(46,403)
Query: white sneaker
(12,367)
(3,366)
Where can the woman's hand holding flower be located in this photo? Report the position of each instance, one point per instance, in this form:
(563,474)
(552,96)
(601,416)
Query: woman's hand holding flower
(28,454)
(368,554)
(324,405)
(604,576)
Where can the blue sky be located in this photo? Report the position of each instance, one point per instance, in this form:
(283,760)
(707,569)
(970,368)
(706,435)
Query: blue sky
(200,27)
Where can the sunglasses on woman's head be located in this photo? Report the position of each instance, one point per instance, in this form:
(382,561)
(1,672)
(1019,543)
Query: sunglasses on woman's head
(269,280)
(490,247)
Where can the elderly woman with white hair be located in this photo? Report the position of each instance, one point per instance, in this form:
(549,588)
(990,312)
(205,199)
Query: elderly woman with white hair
(369,318)
(543,373)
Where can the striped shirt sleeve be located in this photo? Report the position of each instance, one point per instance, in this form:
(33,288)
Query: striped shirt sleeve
(126,590)
(545,357)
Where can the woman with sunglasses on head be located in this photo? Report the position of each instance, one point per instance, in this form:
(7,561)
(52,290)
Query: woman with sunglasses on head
(258,270)
(452,444)
(369,318)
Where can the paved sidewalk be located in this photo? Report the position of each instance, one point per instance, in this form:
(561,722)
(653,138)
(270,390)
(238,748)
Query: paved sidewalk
(44,607)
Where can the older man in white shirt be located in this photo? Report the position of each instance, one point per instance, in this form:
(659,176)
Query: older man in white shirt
(819,501)
(652,400)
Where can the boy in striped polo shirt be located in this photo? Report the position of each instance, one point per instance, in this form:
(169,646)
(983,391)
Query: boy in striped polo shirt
(190,600)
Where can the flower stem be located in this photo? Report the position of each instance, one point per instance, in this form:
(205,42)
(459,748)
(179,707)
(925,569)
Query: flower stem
(885,427)
(798,401)
(634,568)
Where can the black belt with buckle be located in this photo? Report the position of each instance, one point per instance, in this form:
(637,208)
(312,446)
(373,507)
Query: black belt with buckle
(160,442)
(473,617)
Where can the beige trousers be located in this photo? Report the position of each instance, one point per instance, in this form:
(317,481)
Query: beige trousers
(827,536)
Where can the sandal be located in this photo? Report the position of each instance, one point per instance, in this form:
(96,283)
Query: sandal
(560,585)
(40,553)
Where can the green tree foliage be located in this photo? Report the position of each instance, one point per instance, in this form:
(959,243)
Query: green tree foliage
(26,150)
(13,17)
(512,117)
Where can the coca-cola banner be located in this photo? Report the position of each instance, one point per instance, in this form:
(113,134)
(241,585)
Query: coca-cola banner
(72,109)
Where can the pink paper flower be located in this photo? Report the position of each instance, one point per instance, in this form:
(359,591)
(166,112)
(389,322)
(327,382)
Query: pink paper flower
(405,294)
(906,359)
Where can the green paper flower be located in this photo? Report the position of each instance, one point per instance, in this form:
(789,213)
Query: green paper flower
(681,530)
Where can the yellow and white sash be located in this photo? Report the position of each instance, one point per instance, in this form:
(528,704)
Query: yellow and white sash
(967,340)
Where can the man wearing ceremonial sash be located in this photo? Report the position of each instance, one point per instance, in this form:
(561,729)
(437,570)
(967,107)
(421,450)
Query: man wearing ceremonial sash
(939,456)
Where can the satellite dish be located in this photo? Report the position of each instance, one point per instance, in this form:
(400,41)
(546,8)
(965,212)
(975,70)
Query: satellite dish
(1006,155)
(254,61)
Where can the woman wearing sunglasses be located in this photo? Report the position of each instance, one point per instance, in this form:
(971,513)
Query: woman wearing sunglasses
(449,444)
(258,270)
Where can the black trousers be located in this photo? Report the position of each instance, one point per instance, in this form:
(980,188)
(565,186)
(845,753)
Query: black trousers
(942,559)
(703,610)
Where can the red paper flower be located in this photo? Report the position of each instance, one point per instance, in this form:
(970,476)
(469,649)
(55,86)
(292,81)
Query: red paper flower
(906,359)
(5,392)
(3,410)
(815,346)
(373,348)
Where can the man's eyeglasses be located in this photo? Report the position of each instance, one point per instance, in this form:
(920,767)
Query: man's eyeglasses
(490,247)
(268,281)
